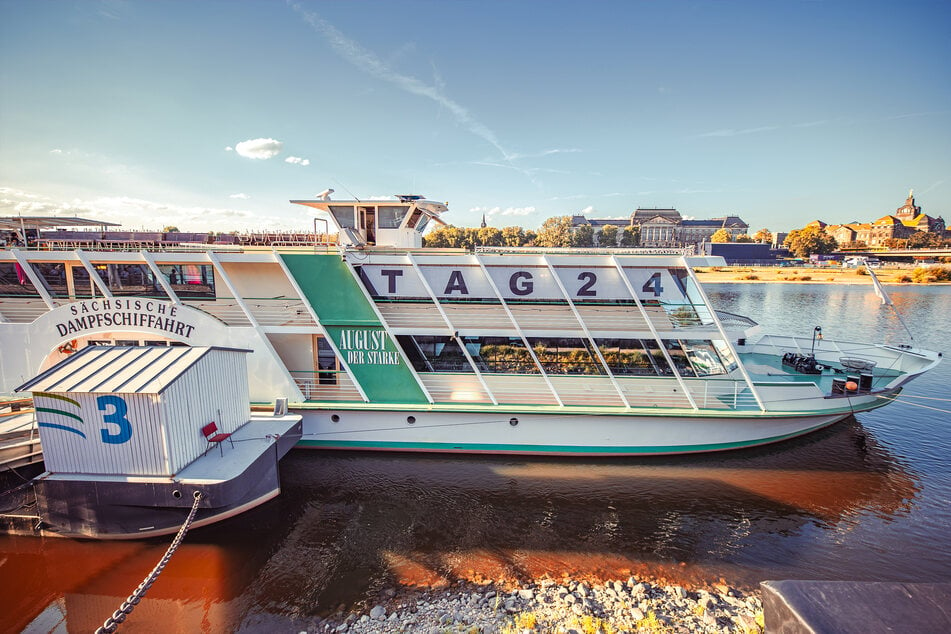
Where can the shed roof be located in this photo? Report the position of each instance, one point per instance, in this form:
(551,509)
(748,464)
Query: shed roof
(119,369)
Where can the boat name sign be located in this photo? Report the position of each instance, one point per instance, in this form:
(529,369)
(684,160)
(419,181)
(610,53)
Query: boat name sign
(363,346)
(137,313)
(526,283)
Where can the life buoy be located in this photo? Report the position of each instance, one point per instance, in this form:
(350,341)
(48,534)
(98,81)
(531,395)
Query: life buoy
(69,347)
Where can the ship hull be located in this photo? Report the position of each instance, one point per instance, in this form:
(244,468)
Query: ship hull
(550,434)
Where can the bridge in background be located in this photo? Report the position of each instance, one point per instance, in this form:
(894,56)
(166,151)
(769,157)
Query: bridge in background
(899,255)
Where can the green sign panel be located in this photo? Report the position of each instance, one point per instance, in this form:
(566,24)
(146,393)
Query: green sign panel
(348,317)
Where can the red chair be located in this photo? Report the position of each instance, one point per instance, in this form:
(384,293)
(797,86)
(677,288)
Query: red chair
(215,437)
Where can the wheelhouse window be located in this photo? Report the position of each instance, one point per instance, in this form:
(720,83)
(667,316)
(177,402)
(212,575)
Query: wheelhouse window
(391,217)
(343,215)
(501,355)
(434,353)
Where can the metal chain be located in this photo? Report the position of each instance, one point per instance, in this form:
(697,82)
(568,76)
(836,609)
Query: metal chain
(112,623)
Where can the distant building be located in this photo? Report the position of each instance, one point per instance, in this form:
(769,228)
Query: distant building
(667,228)
(905,221)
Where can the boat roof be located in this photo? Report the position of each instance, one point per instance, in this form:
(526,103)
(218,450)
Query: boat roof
(50,222)
(431,208)
(119,369)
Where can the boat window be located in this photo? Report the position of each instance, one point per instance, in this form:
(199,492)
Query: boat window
(421,226)
(53,275)
(391,217)
(130,279)
(82,284)
(703,357)
(14,281)
(634,357)
(434,353)
(190,281)
(343,215)
(679,356)
(565,355)
(327,369)
(501,355)
(726,355)
(413,219)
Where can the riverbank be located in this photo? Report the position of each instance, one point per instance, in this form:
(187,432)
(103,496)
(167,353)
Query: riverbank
(814,275)
(546,605)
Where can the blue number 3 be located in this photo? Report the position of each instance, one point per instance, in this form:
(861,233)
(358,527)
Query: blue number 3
(117,417)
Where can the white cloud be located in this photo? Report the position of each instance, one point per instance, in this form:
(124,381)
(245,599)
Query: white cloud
(229,149)
(296,160)
(134,212)
(56,151)
(239,196)
(508,211)
(262,149)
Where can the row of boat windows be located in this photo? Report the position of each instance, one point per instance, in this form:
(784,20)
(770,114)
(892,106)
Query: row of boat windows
(188,281)
(567,355)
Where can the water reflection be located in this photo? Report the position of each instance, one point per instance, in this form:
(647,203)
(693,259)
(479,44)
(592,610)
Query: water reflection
(347,524)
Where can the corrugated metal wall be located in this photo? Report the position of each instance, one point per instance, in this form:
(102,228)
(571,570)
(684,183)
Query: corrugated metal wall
(96,422)
(217,383)
(144,434)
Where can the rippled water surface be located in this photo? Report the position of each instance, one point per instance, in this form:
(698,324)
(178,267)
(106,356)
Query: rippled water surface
(866,499)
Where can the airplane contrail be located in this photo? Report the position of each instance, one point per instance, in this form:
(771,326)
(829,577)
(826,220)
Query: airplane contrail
(373,65)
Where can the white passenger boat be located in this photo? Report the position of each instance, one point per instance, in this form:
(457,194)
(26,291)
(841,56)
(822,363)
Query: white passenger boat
(383,345)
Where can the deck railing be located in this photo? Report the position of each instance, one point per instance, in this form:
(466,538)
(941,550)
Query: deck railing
(326,385)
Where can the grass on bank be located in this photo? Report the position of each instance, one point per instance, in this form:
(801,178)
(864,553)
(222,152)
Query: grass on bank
(919,275)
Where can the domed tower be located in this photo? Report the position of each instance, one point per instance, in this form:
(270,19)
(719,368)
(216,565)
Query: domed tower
(908,210)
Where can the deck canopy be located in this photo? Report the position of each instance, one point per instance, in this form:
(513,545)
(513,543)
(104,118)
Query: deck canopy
(12,223)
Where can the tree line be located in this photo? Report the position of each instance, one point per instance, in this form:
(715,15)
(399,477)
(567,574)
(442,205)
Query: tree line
(558,232)
(554,232)
(812,239)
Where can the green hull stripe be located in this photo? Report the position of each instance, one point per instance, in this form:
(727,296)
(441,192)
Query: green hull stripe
(50,410)
(549,449)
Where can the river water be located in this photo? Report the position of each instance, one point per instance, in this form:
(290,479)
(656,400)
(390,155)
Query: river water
(868,499)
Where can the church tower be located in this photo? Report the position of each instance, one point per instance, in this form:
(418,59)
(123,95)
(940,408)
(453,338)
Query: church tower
(908,210)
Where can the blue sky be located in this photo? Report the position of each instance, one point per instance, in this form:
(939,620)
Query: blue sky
(780,112)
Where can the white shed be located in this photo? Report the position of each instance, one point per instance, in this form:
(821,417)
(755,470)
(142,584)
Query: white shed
(137,411)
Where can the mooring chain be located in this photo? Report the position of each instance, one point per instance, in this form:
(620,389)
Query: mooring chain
(112,623)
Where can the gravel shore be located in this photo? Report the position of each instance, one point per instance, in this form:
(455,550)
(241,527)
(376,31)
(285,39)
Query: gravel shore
(567,607)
